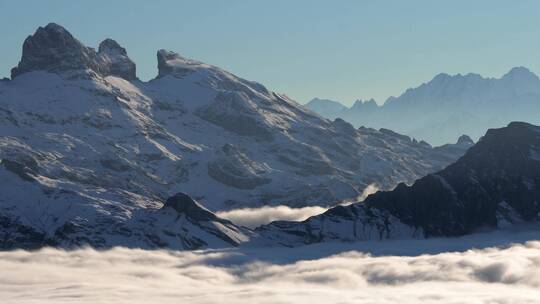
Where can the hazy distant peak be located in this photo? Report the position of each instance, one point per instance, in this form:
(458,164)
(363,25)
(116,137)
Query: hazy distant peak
(328,108)
(465,139)
(441,77)
(364,105)
(370,102)
(367,101)
(317,100)
(520,73)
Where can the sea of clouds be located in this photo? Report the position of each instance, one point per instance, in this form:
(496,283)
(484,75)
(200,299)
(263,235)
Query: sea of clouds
(497,271)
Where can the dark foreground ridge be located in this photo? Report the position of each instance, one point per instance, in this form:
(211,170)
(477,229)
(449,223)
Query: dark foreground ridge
(495,184)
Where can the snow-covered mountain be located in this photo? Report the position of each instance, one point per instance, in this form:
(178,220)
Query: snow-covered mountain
(448,106)
(495,184)
(90,153)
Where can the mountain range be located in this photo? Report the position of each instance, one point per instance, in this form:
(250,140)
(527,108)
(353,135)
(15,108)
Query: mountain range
(447,106)
(90,154)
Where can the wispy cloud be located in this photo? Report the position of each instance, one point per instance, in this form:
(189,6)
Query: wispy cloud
(254,217)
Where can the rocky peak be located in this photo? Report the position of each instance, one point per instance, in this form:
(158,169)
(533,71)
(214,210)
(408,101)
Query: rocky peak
(52,48)
(509,146)
(171,63)
(111,46)
(465,139)
(184,204)
(364,105)
(115,57)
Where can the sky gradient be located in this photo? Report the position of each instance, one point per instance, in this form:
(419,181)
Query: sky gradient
(341,50)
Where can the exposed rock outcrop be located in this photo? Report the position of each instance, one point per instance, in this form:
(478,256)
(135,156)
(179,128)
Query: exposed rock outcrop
(52,48)
(115,58)
(184,204)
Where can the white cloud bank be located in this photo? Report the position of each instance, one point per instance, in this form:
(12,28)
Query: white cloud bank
(493,275)
(254,217)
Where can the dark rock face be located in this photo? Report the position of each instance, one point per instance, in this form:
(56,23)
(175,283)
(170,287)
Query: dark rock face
(498,174)
(201,217)
(14,235)
(115,57)
(162,58)
(21,170)
(52,48)
(171,63)
(496,183)
(184,204)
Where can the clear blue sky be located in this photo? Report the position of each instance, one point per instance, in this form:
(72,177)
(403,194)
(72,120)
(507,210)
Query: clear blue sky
(341,50)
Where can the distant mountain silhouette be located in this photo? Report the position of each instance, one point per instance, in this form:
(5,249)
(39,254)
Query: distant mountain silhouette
(448,106)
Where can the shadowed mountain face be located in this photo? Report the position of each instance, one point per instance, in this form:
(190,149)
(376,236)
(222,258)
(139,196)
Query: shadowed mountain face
(90,153)
(52,48)
(446,107)
(495,184)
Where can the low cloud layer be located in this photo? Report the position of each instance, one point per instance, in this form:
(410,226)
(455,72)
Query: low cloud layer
(254,217)
(492,275)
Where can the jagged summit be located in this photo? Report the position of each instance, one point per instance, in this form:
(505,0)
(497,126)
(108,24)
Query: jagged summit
(116,59)
(364,105)
(448,106)
(52,48)
(171,63)
(184,204)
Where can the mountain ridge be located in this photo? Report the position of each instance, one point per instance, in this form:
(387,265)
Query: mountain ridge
(448,106)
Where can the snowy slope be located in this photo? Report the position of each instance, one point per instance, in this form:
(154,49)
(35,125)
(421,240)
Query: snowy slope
(90,151)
